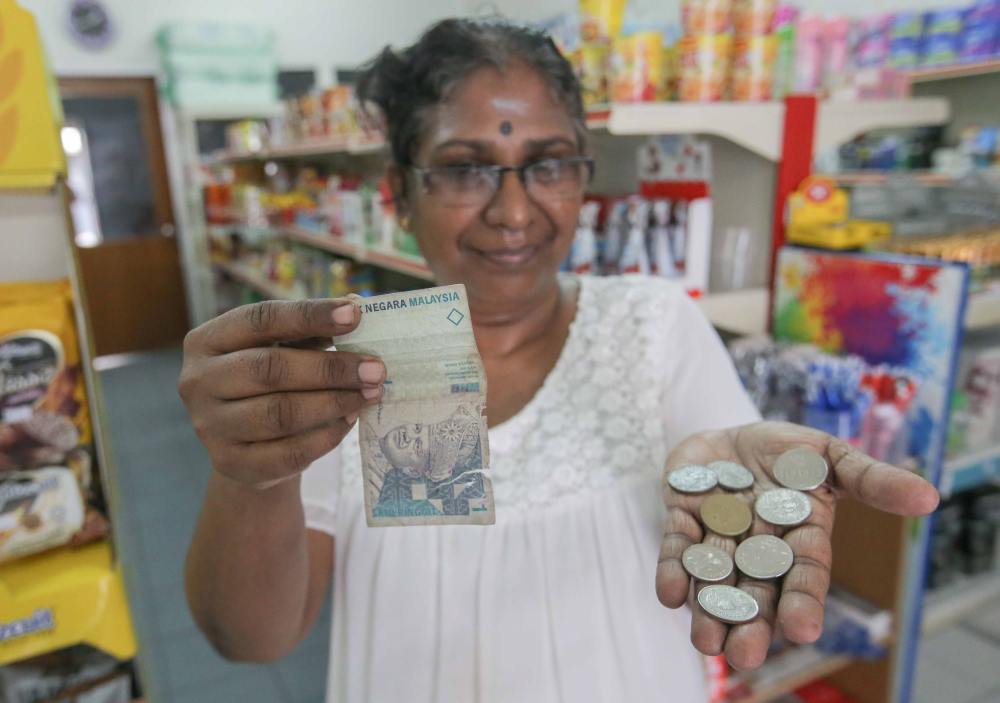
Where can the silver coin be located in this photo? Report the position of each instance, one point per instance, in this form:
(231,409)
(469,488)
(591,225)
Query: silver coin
(728,604)
(692,479)
(782,506)
(764,557)
(707,563)
(733,476)
(801,468)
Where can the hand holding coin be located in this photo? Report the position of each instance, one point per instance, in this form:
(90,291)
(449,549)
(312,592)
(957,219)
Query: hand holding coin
(764,542)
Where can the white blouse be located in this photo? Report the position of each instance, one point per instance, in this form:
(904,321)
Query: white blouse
(556,601)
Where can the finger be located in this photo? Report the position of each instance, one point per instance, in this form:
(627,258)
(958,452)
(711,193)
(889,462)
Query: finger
(708,635)
(880,485)
(277,415)
(804,589)
(264,323)
(746,646)
(252,372)
(266,462)
(682,530)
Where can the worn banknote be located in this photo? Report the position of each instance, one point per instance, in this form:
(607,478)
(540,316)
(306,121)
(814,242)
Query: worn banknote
(424,446)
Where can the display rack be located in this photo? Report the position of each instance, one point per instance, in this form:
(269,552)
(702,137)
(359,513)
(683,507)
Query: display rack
(67,596)
(943,73)
(954,602)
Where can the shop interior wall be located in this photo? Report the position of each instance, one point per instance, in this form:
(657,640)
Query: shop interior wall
(316,34)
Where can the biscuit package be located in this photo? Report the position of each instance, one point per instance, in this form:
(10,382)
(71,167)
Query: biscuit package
(39,510)
(44,419)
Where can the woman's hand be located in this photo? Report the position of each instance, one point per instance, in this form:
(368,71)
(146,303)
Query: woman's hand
(263,399)
(792,606)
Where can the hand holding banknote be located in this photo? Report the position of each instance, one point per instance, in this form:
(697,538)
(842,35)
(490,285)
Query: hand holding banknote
(264,401)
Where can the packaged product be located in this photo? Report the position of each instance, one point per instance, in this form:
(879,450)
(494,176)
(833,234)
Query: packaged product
(785,19)
(809,54)
(837,42)
(39,509)
(591,64)
(705,66)
(753,67)
(872,48)
(601,20)
(637,68)
(583,257)
(707,16)
(754,17)
(635,257)
(43,409)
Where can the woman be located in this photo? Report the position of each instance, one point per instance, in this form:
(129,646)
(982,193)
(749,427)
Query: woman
(591,383)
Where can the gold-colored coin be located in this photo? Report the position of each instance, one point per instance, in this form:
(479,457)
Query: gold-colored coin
(726,515)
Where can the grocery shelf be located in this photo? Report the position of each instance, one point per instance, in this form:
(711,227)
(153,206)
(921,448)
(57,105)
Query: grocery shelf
(758,126)
(952,603)
(253,279)
(62,598)
(742,312)
(926,75)
(393,261)
(784,672)
(309,147)
(970,471)
(983,310)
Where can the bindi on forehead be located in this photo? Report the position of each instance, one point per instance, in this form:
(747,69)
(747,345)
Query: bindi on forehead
(506,128)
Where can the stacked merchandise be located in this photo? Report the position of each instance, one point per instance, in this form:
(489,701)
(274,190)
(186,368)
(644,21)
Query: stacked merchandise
(663,230)
(48,497)
(215,64)
(764,49)
(964,540)
(975,416)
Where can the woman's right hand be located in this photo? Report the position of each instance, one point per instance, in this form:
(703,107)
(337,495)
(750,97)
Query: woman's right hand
(264,408)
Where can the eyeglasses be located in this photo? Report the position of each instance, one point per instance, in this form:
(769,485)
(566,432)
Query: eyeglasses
(477,184)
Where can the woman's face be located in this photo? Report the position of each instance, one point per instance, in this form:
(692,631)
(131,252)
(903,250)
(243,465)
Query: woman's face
(510,245)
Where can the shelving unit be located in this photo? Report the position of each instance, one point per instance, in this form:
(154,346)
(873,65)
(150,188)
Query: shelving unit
(957,601)
(787,671)
(928,75)
(413,266)
(970,471)
(254,280)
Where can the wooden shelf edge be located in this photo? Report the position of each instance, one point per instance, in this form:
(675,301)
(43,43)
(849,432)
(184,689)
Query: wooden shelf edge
(979,68)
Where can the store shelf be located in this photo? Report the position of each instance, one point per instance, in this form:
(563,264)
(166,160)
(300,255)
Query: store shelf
(758,126)
(970,471)
(393,261)
(311,147)
(63,598)
(254,280)
(952,603)
(926,75)
(983,310)
(742,312)
(785,672)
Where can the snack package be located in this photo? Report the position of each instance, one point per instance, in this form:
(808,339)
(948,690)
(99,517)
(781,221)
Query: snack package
(705,66)
(707,16)
(754,17)
(591,64)
(39,510)
(601,20)
(44,419)
(753,67)
(637,68)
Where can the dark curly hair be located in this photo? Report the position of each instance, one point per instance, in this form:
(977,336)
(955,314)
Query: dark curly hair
(406,84)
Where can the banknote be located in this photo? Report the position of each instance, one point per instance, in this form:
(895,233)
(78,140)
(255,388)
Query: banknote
(424,446)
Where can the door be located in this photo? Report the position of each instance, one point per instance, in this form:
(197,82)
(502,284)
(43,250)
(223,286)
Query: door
(122,213)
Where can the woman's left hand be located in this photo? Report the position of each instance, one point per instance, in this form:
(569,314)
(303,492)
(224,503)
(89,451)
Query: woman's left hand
(792,606)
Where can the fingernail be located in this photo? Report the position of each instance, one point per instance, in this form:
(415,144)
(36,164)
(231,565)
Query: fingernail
(371,371)
(344,314)
(351,419)
(371,393)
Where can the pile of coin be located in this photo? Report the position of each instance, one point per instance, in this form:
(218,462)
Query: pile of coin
(758,557)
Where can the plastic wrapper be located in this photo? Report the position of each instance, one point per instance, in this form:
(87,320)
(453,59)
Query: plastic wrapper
(707,16)
(601,20)
(591,64)
(753,17)
(705,67)
(39,510)
(637,68)
(753,67)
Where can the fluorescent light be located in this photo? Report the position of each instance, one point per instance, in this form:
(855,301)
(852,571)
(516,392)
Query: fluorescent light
(72,140)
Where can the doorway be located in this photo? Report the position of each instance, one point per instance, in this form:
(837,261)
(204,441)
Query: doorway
(122,213)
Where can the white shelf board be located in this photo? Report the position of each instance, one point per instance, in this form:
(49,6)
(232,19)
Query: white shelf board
(839,121)
(251,278)
(954,602)
(741,312)
(969,471)
(983,310)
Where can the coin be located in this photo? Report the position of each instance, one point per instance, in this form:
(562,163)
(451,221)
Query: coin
(733,476)
(692,479)
(764,557)
(801,468)
(782,506)
(707,563)
(728,604)
(726,515)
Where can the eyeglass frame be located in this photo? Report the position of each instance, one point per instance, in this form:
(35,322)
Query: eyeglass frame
(499,171)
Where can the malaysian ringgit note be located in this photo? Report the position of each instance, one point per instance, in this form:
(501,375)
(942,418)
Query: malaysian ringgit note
(424,446)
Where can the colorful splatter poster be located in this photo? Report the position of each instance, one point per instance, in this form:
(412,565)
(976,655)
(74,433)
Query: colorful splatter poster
(899,311)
